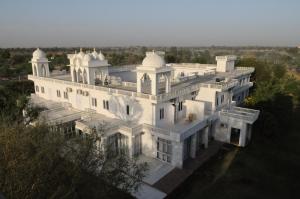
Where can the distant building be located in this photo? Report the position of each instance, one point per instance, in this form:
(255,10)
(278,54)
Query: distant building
(168,112)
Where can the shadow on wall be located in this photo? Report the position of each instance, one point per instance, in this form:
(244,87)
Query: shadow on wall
(119,108)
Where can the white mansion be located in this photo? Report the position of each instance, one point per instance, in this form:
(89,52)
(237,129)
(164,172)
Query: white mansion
(168,112)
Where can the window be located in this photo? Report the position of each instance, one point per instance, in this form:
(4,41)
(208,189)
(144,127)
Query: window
(37,88)
(42,89)
(222,99)
(180,106)
(65,95)
(127,110)
(79,91)
(94,102)
(164,149)
(161,113)
(58,93)
(105,104)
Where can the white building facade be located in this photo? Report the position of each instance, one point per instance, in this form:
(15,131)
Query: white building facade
(169,112)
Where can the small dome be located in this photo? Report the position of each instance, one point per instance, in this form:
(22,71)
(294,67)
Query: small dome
(80,54)
(87,57)
(153,60)
(38,53)
(101,56)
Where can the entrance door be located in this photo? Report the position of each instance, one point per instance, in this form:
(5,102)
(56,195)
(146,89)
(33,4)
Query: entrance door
(235,136)
(117,144)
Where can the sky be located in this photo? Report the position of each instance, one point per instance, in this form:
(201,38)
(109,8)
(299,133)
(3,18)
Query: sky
(101,23)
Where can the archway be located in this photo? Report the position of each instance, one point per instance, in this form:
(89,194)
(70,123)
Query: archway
(146,84)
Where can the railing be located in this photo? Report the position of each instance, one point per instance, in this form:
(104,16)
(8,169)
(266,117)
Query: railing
(221,85)
(129,84)
(100,88)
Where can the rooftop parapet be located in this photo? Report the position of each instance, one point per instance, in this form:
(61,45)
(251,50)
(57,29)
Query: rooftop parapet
(226,58)
(245,114)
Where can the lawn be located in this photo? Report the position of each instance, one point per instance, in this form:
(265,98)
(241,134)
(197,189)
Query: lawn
(267,168)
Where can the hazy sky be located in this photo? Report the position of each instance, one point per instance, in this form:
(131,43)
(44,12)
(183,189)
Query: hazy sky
(48,23)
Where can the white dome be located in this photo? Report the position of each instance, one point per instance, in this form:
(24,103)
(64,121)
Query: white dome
(87,57)
(38,54)
(153,60)
(101,56)
(80,54)
(95,55)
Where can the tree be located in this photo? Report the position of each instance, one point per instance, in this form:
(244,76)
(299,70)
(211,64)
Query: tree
(36,162)
(278,71)
(5,54)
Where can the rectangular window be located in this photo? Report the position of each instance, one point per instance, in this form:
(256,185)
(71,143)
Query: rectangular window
(128,110)
(161,113)
(37,88)
(94,102)
(42,89)
(180,106)
(58,93)
(105,104)
(65,95)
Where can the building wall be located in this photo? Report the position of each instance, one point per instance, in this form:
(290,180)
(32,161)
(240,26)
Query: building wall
(140,110)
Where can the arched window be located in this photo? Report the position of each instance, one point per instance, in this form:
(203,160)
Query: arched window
(34,70)
(146,84)
(85,77)
(43,70)
(79,76)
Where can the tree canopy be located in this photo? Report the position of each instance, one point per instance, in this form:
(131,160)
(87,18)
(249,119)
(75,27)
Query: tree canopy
(36,162)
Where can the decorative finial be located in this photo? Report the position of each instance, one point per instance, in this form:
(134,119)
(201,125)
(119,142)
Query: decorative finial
(94,49)
(80,49)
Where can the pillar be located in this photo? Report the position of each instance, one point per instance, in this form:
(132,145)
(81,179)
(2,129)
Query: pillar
(243,135)
(205,137)
(193,145)
(177,154)
(168,86)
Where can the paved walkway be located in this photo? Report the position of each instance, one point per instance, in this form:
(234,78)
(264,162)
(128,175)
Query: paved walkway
(172,180)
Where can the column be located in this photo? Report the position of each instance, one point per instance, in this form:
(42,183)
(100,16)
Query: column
(193,146)
(168,87)
(177,154)
(77,79)
(205,137)
(243,130)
